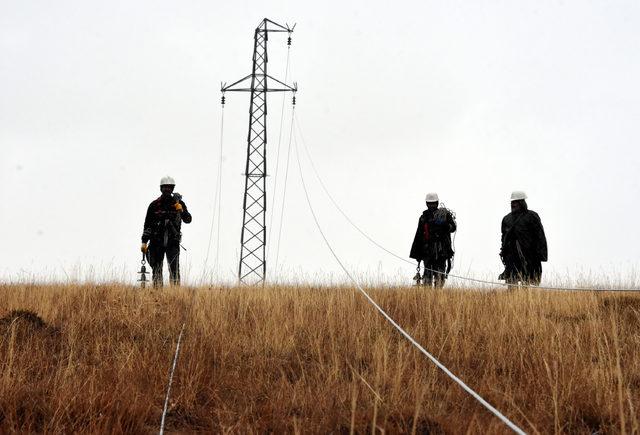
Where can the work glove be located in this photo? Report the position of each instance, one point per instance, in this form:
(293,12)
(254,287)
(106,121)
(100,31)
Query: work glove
(144,248)
(178,206)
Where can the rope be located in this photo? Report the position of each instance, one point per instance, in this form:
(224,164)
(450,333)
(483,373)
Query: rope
(275,181)
(217,199)
(433,359)
(173,369)
(461,277)
(284,193)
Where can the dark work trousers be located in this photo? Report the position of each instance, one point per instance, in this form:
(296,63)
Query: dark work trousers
(434,279)
(523,271)
(156,254)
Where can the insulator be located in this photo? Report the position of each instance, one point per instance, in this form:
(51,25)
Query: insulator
(223,100)
(289,41)
(294,100)
(143,275)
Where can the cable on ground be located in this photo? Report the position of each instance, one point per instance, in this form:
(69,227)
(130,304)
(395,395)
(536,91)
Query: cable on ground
(173,369)
(441,366)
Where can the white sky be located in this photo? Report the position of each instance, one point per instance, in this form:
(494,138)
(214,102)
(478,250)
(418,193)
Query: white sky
(98,100)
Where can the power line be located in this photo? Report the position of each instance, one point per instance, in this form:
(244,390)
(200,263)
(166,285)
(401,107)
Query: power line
(433,359)
(217,196)
(220,162)
(464,278)
(275,180)
(334,202)
(284,193)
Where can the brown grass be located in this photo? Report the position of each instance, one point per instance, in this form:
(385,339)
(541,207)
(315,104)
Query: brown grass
(316,360)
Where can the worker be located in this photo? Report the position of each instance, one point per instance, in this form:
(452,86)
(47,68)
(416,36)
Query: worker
(161,235)
(432,242)
(524,245)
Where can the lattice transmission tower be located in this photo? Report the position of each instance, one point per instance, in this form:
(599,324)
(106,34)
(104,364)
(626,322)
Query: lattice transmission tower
(253,268)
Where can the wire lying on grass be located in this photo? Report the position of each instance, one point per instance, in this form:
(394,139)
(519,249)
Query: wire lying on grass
(433,359)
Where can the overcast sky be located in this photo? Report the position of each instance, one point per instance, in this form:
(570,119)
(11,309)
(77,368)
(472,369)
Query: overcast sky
(98,100)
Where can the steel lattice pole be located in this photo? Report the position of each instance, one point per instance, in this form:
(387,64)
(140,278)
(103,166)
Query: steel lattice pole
(252,267)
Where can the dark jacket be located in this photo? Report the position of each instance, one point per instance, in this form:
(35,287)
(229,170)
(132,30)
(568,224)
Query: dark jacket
(523,237)
(433,236)
(162,223)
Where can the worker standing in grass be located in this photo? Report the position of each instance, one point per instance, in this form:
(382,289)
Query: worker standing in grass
(524,245)
(161,235)
(432,242)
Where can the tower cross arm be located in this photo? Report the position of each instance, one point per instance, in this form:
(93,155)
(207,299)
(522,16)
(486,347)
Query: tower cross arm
(285,87)
(244,85)
(235,85)
(278,27)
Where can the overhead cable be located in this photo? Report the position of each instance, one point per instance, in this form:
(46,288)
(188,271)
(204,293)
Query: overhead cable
(284,192)
(413,263)
(433,359)
(216,208)
(275,178)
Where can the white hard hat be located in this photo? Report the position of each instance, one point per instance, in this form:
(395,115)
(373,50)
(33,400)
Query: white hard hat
(517,195)
(432,197)
(167,180)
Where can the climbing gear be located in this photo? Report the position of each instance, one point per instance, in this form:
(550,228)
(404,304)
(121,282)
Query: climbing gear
(167,181)
(432,197)
(517,195)
(440,215)
(144,248)
(143,272)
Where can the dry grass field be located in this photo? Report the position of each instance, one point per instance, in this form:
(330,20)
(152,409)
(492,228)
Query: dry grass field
(316,360)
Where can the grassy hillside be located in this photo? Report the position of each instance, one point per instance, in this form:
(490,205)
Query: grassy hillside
(305,359)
